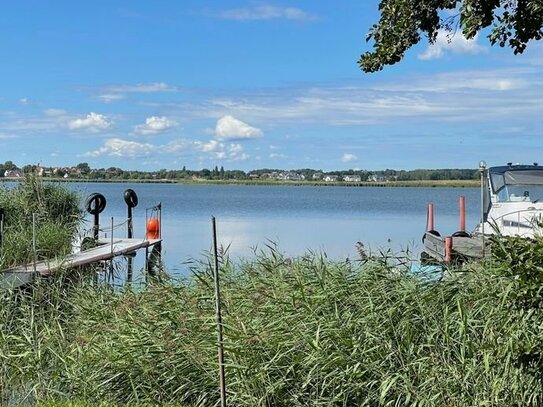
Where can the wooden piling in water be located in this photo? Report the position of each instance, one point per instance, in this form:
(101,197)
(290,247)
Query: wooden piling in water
(448,249)
(430,218)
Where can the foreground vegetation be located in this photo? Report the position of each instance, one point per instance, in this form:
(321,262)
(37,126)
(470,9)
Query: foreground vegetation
(56,214)
(306,331)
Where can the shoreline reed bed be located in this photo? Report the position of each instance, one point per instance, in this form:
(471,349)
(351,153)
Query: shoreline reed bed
(57,217)
(304,331)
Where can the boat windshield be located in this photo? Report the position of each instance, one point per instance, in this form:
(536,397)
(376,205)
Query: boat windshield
(518,186)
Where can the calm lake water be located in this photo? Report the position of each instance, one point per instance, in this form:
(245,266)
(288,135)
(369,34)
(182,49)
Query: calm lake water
(296,218)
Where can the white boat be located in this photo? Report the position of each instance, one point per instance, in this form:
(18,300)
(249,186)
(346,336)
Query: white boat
(512,200)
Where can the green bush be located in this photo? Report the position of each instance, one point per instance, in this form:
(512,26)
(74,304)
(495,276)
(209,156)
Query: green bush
(57,215)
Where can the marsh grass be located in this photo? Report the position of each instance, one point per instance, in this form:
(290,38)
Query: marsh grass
(57,218)
(298,332)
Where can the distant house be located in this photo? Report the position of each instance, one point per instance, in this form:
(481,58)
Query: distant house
(253,175)
(317,176)
(291,176)
(352,178)
(13,174)
(377,178)
(330,178)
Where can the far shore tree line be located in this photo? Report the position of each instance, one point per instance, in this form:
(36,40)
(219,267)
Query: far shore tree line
(84,171)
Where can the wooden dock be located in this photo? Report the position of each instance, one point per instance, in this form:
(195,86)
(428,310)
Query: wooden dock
(463,248)
(107,250)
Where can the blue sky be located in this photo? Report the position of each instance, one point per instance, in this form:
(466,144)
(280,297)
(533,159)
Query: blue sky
(251,84)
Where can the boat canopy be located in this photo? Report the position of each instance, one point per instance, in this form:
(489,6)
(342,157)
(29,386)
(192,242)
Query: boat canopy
(518,182)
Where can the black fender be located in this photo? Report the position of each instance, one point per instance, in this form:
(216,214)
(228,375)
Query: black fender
(131,198)
(95,203)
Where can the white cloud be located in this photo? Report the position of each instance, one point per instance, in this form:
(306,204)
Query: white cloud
(113,93)
(235,153)
(175,146)
(277,155)
(54,112)
(235,148)
(230,128)
(347,158)
(212,145)
(24,101)
(155,124)
(110,97)
(221,151)
(122,148)
(451,42)
(93,122)
(266,12)
(4,136)
(152,87)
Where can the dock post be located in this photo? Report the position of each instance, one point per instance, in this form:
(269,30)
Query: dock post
(430,218)
(130,232)
(131,200)
(462,204)
(96,228)
(448,249)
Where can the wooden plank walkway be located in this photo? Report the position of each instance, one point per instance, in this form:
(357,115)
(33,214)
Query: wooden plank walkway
(466,247)
(106,251)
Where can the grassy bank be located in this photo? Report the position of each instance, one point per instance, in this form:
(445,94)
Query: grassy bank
(298,332)
(392,184)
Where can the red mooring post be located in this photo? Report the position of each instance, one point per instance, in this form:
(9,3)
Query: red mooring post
(430,218)
(448,249)
(462,204)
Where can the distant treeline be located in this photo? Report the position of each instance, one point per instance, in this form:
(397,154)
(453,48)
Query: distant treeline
(84,171)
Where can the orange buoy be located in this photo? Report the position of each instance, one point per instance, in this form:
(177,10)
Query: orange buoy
(153,228)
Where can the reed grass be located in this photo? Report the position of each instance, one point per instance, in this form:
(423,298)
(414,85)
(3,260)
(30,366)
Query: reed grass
(298,332)
(57,215)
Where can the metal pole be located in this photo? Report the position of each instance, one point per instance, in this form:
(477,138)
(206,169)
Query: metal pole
(462,204)
(130,224)
(482,167)
(130,271)
(222,383)
(110,277)
(96,225)
(1,227)
(34,240)
(159,220)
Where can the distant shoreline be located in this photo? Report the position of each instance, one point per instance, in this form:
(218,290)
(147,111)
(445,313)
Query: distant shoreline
(390,184)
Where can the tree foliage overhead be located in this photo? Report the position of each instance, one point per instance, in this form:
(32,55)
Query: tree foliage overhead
(513,23)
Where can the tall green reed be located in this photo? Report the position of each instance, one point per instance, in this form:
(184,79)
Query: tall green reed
(57,215)
(298,332)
